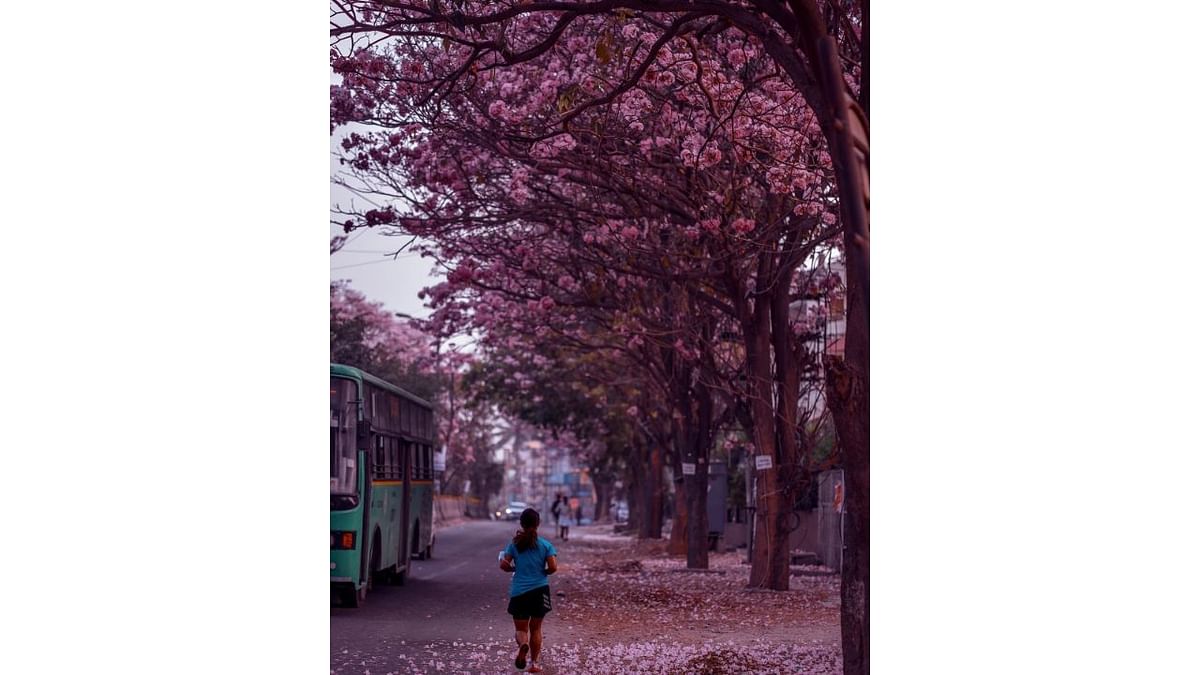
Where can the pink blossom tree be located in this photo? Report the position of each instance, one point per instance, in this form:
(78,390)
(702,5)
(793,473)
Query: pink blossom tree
(704,212)
(503,121)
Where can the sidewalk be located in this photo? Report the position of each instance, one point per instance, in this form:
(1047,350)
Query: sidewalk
(439,524)
(623,605)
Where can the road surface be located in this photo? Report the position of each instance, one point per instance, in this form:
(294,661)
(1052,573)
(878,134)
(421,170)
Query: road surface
(450,612)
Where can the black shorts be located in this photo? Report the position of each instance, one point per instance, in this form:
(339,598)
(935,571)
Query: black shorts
(535,603)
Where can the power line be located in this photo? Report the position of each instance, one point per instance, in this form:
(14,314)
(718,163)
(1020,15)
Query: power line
(373,262)
(389,252)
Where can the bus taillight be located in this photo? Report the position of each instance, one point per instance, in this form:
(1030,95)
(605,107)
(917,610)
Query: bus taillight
(341,540)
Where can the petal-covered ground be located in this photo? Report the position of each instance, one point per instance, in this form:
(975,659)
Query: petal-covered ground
(626,606)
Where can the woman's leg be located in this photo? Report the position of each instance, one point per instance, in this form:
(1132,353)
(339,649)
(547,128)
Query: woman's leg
(535,637)
(522,626)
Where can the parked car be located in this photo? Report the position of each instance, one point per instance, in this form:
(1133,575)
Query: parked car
(512,511)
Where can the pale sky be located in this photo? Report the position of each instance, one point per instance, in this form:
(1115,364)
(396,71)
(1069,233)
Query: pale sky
(363,260)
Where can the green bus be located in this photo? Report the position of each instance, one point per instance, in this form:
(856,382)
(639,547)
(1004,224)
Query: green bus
(380,482)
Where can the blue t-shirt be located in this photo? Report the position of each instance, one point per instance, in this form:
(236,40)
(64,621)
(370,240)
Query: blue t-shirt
(531,565)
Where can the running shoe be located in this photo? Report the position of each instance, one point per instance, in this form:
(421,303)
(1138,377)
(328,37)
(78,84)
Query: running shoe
(521,657)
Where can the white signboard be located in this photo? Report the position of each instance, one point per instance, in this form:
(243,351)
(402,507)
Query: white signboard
(762,462)
(689,469)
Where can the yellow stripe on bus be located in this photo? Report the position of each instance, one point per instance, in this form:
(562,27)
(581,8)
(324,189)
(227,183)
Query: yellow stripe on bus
(400,482)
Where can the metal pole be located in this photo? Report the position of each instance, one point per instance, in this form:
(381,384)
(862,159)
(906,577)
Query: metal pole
(751,501)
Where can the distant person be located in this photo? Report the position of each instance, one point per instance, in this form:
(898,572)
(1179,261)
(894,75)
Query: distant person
(566,521)
(576,511)
(556,511)
(534,559)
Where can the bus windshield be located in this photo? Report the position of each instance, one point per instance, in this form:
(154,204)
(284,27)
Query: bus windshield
(343,419)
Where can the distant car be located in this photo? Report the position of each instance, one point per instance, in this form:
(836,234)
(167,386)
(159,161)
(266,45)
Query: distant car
(512,511)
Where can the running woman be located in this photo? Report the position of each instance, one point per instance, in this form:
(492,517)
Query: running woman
(533,559)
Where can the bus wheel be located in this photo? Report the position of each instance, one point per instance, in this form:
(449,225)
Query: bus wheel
(352,597)
(395,576)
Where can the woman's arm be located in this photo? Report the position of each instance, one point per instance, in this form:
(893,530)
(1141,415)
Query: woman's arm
(506,564)
(551,565)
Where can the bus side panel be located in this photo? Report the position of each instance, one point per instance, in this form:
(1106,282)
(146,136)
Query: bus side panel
(389,502)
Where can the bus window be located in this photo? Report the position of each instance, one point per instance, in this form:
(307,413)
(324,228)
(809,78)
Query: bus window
(380,457)
(343,421)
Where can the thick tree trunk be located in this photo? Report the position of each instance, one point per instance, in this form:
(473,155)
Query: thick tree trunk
(786,350)
(849,401)
(848,390)
(770,539)
(848,382)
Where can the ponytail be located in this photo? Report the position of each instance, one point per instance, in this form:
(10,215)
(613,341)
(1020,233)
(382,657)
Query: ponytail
(525,539)
(527,536)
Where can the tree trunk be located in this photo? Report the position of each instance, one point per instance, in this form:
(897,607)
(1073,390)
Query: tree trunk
(600,510)
(698,403)
(848,391)
(638,497)
(654,514)
(786,351)
(770,541)
(677,544)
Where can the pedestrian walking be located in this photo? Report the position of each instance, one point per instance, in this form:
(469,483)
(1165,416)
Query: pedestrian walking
(565,521)
(556,511)
(533,559)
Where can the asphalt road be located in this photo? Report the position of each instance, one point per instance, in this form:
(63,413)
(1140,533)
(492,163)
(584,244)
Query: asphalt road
(451,611)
